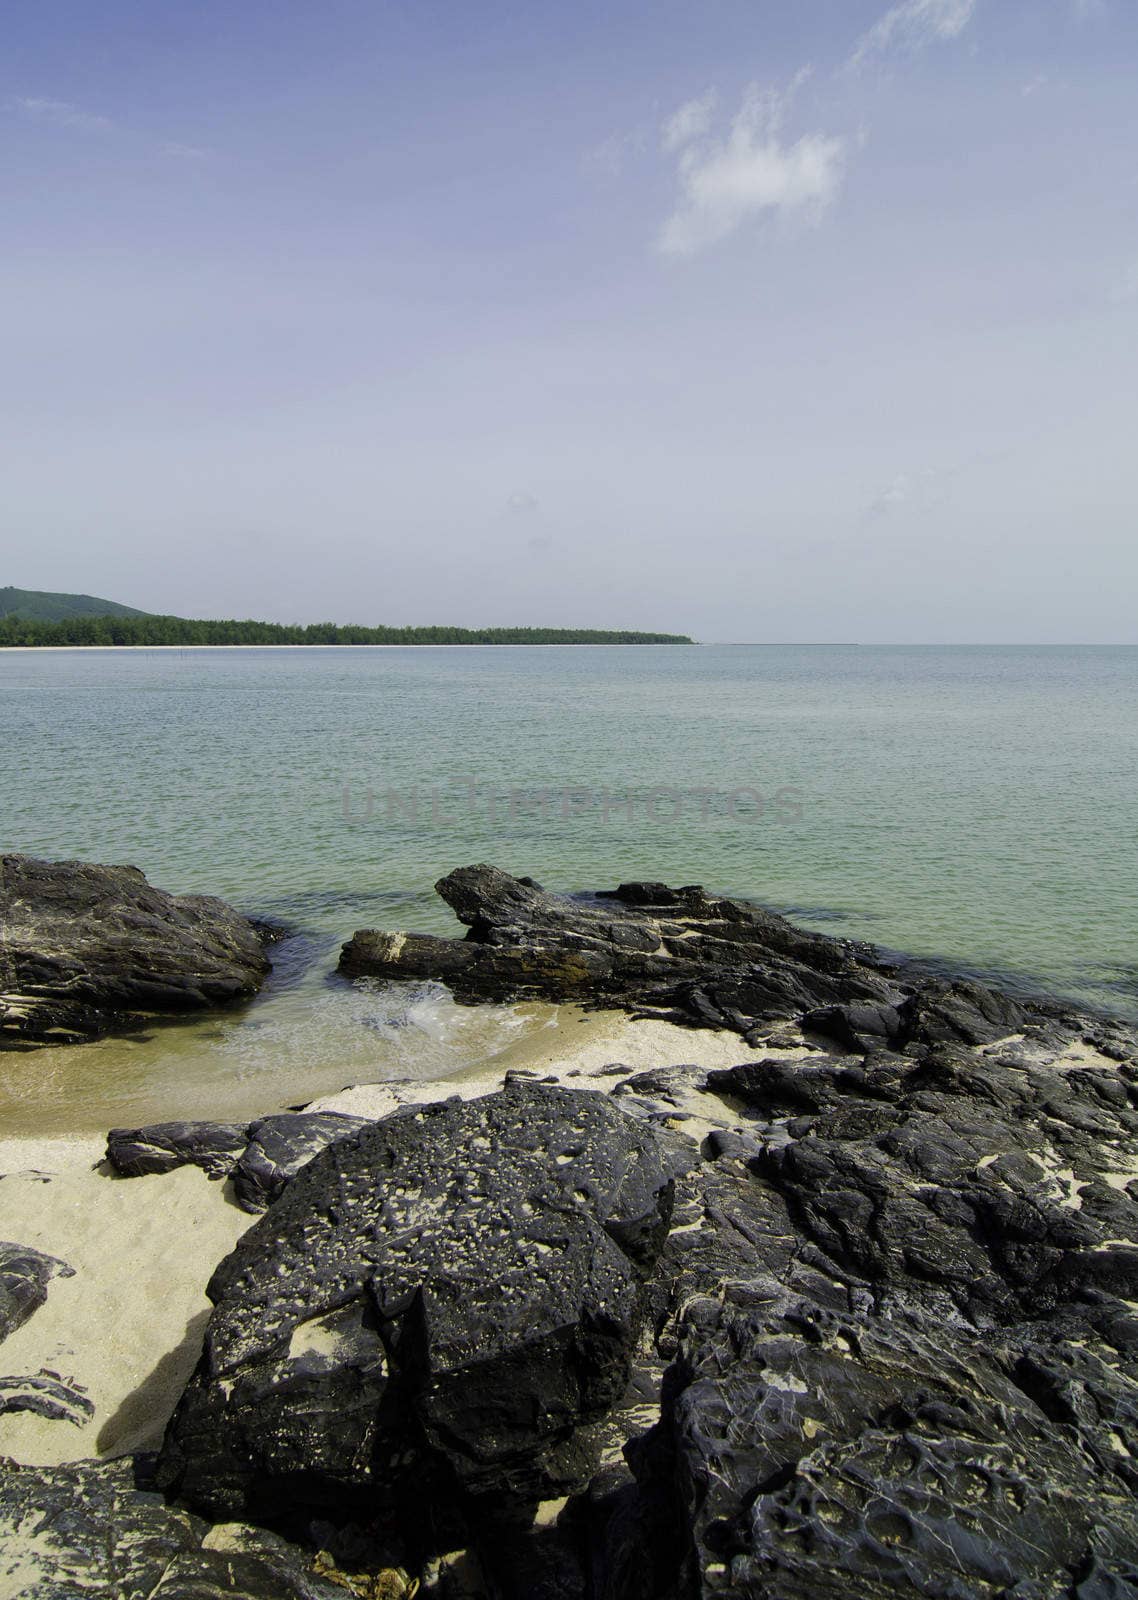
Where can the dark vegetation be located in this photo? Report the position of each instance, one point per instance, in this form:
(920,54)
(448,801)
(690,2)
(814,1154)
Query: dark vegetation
(147,630)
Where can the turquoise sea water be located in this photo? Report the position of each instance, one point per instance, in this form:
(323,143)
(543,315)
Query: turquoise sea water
(977,806)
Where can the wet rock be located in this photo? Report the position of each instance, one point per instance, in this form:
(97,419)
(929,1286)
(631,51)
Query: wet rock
(87,950)
(960,1012)
(279,1146)
(692,958)
(428,1315)
(678,953)
(24,1278)
(162,1146)
(858,1027)
(87,1529)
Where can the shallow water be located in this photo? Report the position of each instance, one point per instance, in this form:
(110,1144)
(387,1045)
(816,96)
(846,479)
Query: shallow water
(977,806)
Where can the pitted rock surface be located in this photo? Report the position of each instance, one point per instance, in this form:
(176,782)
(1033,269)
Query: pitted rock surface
(86,950)
(442,1298)
(277,1149)
(87,1530)
(825,1454)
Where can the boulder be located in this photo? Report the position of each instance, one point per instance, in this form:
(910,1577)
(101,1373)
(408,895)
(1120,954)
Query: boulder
(261,1157)
(88,1529)
(279,1146)
(162,1146)
(428,1316)
(87,950)
(820,1453)
(24,1278)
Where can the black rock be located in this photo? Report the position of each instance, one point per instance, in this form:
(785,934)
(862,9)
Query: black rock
(46,1394)
(428,1315)
(678,953)
(820,1453)
(279,1146)
(86,950)
(858,1027)
(87,1530)
(24,1278)
(162,1146)
(961,1012)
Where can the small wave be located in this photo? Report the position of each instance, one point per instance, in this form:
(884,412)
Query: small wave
(389,1031)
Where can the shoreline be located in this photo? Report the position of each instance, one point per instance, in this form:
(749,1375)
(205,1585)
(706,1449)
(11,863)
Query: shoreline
(127,1327)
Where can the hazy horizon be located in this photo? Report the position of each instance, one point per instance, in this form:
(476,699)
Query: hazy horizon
(756,323)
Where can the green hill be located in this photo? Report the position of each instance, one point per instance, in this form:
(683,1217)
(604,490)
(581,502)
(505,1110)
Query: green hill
(36,605)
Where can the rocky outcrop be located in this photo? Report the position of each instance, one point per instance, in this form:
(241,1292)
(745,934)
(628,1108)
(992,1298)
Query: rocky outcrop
(278,1147)
(87,950)
(821,1452)
(920,1371)
(24,1278)
(261,1157)
(88,1529)
(680,954)
(163,1146)
(428,1316)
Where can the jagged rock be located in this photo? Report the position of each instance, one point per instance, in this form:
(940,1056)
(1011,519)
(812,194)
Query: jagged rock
(906,1349)
(819,1452)
(679,953)
(24,1278)
(428,1313)
(86,950)
(279,1146)
(162,1146)
(959,1012)
(262,1157)
(46,1394)
(88,1530)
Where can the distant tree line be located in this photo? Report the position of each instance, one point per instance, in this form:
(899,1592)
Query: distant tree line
(184,631)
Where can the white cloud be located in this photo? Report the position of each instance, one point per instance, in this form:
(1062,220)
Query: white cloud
(691,121)
(61,113)
(521,503)
(1087,10)
(912,25)
(1033,85)
(750,171)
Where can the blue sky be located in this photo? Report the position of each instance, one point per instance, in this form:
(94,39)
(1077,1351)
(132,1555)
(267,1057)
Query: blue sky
(753,320)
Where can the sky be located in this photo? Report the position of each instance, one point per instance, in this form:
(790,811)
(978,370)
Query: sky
(750,320)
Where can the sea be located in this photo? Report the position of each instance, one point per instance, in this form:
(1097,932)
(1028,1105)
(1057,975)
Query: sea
(973,807)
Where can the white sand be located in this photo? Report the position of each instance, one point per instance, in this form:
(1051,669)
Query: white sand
(128,1326)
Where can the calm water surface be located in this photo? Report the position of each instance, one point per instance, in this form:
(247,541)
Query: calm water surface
(971,805)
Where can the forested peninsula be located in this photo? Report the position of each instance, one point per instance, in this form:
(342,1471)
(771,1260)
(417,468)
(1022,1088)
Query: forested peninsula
(27,633)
